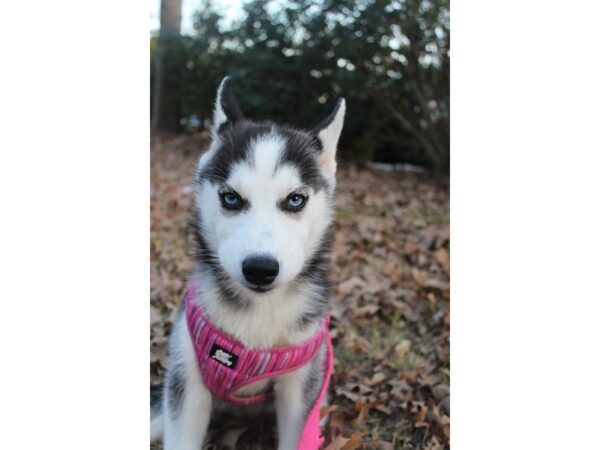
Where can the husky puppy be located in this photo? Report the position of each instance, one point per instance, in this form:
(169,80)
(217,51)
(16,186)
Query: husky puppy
(264,197)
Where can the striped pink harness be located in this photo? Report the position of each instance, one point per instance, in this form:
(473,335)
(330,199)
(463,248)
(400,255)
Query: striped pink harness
(227,365)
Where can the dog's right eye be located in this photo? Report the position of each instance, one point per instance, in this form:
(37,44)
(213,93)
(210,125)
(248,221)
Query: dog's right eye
(231,201)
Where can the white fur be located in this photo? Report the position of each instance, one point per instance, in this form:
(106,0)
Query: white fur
(188,430)
(289,407)
(267,322)
(219,117)
(329,137)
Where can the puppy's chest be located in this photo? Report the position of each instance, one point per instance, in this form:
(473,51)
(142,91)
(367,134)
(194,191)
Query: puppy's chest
(263,332)
(264,329)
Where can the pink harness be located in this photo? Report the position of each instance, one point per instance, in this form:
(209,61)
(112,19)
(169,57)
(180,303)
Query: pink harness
(227,365)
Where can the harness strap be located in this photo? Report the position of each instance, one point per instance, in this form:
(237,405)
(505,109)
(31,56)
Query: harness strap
(227,365)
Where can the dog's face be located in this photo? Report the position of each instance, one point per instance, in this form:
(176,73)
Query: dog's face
(264,196)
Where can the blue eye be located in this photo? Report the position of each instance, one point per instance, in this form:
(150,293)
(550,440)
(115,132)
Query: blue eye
(295,201)
(230,201)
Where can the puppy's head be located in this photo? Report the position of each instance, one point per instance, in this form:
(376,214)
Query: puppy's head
(264,196)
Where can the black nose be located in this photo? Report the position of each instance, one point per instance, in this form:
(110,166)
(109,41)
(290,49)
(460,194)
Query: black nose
(260,270)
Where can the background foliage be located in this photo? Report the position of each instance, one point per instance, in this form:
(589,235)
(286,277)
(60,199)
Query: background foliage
(291,60)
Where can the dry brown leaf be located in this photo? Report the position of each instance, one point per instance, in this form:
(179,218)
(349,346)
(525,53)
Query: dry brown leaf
(382,408)
(350,395)
(376,379)
(441,285)
(354,441)
(402,348)
(409,375)
(433,445)
(384,445)
(349,285)
(367,310)
(325,410)
(420,415)
(445,423)
(431,297)
(441,391)
(337,420)
(361,344)
(442,257)
(418,278)
(338,443)
(363,411)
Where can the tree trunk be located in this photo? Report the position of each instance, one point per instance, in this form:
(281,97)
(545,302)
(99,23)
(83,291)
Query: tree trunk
(164,107)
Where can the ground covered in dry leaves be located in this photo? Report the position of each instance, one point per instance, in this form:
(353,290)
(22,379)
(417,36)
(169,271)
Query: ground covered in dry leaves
(390,313)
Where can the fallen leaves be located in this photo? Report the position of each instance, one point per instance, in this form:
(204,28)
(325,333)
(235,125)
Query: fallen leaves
(338,443)
(376,379)
(419,412)
(367,310)
(343,443)
(390,302)
(402,348)
(443,258)
(326,410)
(354,442)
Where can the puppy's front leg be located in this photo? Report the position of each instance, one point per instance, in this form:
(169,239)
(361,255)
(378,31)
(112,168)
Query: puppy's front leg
(295,393)
(290,408)
(186,429)
(188,403)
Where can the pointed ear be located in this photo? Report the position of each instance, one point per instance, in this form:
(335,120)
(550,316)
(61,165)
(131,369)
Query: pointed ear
(328,132)
(227,109)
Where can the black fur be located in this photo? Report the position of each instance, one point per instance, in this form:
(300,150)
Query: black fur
(176,387)
(300,151)
(156,394)
(316,271)
(203,252)
(314,381)
(229,105)
(233,148)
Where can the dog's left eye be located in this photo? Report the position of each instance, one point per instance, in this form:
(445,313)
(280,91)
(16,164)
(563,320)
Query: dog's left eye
(295,202)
